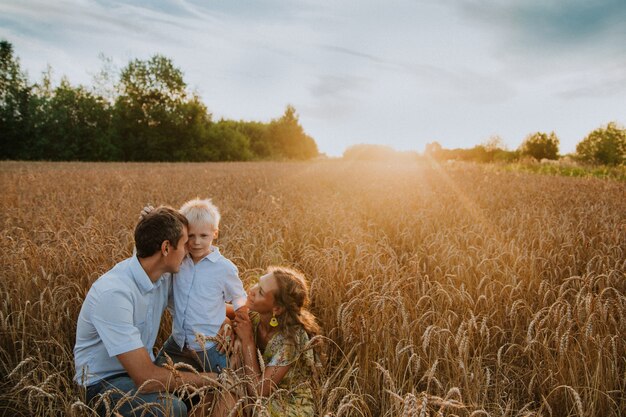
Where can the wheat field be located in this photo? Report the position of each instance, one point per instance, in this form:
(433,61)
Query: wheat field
(442,289)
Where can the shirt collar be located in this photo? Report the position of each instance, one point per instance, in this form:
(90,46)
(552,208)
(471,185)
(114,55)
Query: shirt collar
(143,281)
(213,256)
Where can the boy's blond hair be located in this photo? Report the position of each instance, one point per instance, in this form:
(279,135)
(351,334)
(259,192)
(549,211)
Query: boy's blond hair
(199,211)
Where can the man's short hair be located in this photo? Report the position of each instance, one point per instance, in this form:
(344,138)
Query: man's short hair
(201,212)
(161,224)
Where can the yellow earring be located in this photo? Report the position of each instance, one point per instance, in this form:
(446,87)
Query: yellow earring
(273,320)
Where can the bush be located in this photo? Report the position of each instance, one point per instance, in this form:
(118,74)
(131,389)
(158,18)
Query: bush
(605,145)
(541,146)
(502,155)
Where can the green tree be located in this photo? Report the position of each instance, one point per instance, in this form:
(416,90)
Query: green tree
(227,143)
(605,145)
(74,124)
(15,94)
(491,150)
(287,138)
(154,115)
(541,145)
(193,133)
(147,116)
(258,137)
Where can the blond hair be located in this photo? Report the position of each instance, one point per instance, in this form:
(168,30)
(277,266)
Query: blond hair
(199,211)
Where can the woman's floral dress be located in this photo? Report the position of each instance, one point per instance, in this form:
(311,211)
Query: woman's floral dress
(294,397)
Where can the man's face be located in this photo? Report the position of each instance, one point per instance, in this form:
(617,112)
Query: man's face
(200,239)
(175,256)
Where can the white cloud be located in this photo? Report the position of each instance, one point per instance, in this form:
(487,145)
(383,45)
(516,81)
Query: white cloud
(400,72)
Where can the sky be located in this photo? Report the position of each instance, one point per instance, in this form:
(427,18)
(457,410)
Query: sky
(401,73)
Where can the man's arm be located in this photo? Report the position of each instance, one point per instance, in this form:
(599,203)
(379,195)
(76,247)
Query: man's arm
(153,378)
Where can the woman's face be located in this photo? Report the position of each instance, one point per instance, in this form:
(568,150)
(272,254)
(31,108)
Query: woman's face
(261,295)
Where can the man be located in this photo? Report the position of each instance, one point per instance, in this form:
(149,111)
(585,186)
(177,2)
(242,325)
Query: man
(119,321)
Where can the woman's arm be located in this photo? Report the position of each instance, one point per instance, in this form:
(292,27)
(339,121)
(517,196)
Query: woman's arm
(262,384)
(265,383)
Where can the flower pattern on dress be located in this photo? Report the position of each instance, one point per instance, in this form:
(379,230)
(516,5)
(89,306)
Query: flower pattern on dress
(294,397)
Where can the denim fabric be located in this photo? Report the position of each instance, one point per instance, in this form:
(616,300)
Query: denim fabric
(209,360)
(124,399)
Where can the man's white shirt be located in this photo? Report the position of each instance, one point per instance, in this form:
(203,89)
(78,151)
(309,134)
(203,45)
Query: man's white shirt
(122,312)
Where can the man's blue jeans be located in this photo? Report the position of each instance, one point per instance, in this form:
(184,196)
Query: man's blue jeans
(208,360)
(121,393)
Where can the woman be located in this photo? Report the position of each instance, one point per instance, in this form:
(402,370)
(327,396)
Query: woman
(279,325)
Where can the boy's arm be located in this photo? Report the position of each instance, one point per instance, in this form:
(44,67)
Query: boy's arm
(243,310)
(234,292)
(230,311)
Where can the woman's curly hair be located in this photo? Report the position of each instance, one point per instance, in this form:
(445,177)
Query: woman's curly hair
(293,296)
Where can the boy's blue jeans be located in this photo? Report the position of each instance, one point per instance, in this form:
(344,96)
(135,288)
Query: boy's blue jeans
(123,398)
(209,360)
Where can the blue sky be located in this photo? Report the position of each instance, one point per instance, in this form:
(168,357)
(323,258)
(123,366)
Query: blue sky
(396,72)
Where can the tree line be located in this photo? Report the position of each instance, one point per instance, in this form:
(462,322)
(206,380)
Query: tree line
(148,114)
(605,145)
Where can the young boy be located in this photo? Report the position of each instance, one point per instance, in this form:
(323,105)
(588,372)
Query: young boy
(204,284)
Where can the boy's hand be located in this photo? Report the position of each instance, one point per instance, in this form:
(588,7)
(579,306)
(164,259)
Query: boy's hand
(226,337)
(145,211)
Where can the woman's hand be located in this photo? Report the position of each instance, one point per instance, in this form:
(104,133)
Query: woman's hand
(243,327)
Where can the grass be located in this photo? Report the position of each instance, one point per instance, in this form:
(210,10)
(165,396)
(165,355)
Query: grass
(597,171)
(442,290)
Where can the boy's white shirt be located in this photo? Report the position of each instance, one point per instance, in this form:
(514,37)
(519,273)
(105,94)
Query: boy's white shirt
(198,299)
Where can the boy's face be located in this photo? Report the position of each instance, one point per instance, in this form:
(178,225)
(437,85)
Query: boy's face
(200,239)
